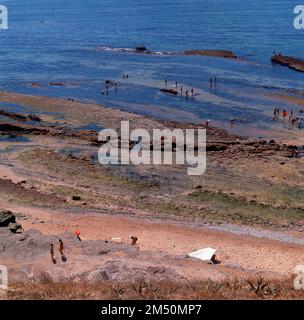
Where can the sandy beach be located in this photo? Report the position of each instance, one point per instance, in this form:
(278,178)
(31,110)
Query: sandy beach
(248,205)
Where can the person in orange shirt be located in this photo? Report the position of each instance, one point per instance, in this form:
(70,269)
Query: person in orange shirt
(77,233)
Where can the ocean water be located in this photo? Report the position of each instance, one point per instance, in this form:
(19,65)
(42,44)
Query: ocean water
(79,43)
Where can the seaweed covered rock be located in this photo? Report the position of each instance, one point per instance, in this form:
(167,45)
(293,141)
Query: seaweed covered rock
(6,217)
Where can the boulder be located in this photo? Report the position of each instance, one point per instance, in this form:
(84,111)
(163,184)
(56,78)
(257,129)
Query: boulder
(14,227)
(6,217)
(141,49)
(33,117)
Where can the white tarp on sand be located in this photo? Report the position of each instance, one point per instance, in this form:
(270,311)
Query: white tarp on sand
(205,254)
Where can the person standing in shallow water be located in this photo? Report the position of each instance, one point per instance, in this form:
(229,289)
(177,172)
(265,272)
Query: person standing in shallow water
(285,113)
(210,82)
(61,248)
(53,254)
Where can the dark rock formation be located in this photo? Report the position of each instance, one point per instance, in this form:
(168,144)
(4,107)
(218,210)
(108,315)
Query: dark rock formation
(141,49)
(57,84)
(36,85)
(12,115)
(22,128)
(167,90)
(212,53)
(18,116)
(6,217)
(33,117)
(290,62)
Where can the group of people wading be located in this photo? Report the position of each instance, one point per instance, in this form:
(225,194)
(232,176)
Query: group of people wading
(277,113)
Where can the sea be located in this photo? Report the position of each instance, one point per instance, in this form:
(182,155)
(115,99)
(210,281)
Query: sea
(83,43)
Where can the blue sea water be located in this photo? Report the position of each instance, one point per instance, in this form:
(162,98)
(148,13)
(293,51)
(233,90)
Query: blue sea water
(76,42)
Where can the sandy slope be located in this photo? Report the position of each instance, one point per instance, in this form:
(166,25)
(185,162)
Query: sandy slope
(240,255)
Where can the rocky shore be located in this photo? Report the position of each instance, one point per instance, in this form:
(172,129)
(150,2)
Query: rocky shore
(248,205)
(236,144)
(219,53)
